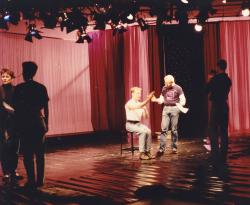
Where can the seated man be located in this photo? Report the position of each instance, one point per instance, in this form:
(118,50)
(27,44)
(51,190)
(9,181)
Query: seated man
(135,109)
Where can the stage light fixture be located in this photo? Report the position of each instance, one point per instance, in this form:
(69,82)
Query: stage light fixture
(184,1)
(198,27)
(32,32)
(245,8)
(224,1)
(83,36)
(143,25)
(120,28)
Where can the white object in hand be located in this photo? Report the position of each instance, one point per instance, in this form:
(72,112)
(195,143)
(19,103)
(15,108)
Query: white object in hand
(181,108)
(8,107)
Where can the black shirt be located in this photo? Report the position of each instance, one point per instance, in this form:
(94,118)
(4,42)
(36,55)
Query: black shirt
(219,87)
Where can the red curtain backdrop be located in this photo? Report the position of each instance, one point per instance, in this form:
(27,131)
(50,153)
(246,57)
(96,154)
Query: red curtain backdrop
(211,47)
(136,66)
(235,47)
(154,77)
(106,81)
(211,42)
(63,66)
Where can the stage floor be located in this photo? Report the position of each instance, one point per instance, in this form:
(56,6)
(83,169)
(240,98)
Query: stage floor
(99,174)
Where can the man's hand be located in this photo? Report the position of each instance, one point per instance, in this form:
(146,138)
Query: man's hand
(153,99)
(151,95)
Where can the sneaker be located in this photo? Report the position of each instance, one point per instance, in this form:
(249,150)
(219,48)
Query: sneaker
(159,153)
(143,156)
(174,150)
(150,155)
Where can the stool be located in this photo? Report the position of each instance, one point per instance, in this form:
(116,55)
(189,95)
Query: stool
(132,148)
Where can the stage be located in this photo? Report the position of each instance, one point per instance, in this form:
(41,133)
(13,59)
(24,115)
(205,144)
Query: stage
(97,173)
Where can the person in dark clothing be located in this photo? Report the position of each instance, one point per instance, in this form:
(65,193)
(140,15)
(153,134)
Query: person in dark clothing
(31,111)
(8,138)
(218,88)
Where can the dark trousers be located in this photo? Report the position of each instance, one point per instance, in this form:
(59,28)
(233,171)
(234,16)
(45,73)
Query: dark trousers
(33,146)
(219,127)
(9,155)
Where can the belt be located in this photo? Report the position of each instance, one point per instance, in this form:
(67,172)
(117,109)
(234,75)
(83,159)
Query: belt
(172,105)
(133,122)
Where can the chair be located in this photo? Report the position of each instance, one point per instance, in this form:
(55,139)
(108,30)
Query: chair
(132,148)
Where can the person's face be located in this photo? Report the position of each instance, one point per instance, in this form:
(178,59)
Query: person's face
(168,83)
(137,94)
(6,78)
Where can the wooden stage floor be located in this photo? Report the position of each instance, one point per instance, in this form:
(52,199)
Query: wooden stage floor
(89,173)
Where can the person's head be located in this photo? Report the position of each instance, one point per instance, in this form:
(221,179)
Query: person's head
(222,65)
(169,80)
(29,70)
(136,93)
(7,76)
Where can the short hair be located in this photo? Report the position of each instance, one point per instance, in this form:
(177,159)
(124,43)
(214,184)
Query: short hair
(29,69)
(8,71)
(169,78)
(212,72)
(222,64)
(133,89)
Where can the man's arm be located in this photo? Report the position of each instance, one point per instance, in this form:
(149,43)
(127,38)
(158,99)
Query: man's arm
(46,115)
(159,100)
(182,99)
(141,104)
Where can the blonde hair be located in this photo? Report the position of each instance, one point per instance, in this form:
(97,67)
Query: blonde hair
(169,78)
(133,89)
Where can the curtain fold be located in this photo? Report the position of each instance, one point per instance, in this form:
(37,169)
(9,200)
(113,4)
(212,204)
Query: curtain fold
(136,66)
(63,66)
(106,81)
(155,78)
(235,47)
(211,50)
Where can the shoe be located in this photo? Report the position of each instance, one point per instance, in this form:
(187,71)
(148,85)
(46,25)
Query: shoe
(29,186)
(159,153)
(174,150)
(150,155)
(143,156)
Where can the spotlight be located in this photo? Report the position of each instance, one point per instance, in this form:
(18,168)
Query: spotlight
(245,8)
(83,36)
(32,31)
(143,25)
(224,1)
(184,1)
(245,12)
(66,22)
(120,28)
(198,27)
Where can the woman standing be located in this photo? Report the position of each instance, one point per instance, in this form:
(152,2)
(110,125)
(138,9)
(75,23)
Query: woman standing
(9,140)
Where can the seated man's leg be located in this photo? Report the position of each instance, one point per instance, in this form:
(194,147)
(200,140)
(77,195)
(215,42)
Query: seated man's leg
(141,130)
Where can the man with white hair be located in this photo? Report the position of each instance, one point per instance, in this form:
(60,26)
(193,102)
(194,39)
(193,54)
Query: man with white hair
(135,110)
(173,98)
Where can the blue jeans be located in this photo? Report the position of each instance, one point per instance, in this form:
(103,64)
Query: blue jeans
(170,116)
(144,134)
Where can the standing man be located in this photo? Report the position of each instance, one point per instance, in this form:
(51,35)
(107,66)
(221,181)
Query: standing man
(135,109)
(31,104)
(173,98)
(218,88)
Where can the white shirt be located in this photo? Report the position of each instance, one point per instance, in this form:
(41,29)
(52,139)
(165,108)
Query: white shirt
(133,114)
